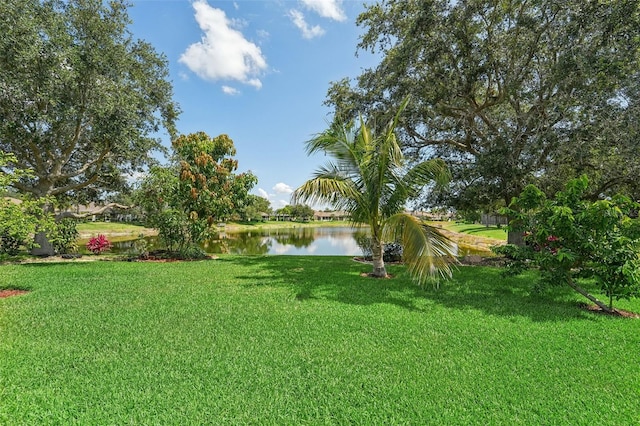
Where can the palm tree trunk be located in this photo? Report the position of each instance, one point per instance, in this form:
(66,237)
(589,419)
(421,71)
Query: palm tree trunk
(379,270)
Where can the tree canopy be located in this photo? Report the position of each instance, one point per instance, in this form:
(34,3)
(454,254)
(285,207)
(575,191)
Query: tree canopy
(507,92)
(81,101)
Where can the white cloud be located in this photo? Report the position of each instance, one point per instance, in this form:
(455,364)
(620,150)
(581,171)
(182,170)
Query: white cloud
(307,32)
(223,53)
(230,90)
(263,193)
(282,188)
(278,204)
(331,9)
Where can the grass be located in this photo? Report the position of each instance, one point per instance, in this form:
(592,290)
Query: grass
(88,229)
(476,229)
(304,340)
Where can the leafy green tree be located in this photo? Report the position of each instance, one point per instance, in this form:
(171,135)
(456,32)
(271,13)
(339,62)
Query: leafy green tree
(302,212)
(507,92)
(209,187)
(285,211)
(19,220)
(255,207)
(370,179)
(570,238)
(81,101)
(185,201)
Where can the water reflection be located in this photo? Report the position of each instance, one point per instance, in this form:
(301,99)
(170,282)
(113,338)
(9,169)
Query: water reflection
(320,241)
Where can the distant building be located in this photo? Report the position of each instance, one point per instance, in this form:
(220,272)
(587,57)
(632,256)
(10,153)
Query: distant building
(330,216)
(492,219)
(424,215)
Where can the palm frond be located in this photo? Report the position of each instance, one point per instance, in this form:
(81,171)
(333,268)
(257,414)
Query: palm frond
(427,253)
(434,170)
(329,188)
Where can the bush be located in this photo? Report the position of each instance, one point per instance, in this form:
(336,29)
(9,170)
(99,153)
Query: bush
(65,236)
(392,252)
(570,237)
(17,226)
(98,244)
(192,252)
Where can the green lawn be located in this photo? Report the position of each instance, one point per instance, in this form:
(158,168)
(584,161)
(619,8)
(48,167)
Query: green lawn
(476,229)
(305,340)
(109,228)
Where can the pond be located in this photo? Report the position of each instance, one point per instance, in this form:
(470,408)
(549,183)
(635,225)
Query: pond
(315,241)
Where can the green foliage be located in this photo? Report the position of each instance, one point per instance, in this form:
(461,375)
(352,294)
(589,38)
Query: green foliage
(301,212)
(507,92)
(185,202)
(81,100)
(16,227)
(370,179)
(192,252)
(20,221)
(254,208)
(209,189)
(569,237)
(65,235)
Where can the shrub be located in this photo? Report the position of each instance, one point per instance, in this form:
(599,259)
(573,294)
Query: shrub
(192,252)
(65,236)
(569,238)
(392,252)
(17,226)
(98,244)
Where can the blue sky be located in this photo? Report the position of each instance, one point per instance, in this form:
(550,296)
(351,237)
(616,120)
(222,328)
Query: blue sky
(257,71)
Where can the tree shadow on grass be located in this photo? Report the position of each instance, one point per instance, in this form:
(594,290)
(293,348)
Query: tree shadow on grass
(341,279)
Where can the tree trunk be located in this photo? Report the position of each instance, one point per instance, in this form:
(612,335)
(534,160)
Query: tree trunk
(583,292)
(515,238)
(43,245)
(379,270)
(45,248)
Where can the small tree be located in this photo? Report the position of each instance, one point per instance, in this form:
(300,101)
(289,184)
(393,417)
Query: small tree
(302,212)
(19,221)
(184,202)
(254,208)
(570,238)
(370,178)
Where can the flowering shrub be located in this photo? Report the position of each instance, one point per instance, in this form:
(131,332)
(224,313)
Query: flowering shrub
(570,238)
(98,244)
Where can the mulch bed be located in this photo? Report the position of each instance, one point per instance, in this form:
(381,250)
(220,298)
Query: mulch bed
(616,312)
(11,292)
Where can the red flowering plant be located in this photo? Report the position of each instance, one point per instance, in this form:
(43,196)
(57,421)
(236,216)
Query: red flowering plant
(98,244)
(570,238)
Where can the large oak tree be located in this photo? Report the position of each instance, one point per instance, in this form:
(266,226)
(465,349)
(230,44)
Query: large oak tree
(81,101)
(508,92)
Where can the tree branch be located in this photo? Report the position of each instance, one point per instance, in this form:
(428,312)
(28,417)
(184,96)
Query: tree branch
(101,210)
(74,186)
(86,167)
(465,147)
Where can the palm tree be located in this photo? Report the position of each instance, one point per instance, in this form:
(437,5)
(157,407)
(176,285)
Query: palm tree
(370,178)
